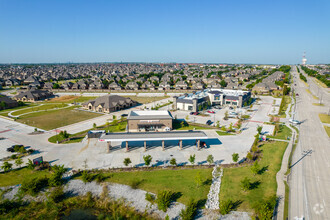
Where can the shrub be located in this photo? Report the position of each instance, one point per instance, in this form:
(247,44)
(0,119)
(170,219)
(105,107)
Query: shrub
(255,168)
(249,156)
(235,157)
(6,166)
(150,198)
(56,195)
(264,210)
(147,159)
(127,161)
(245,184)
(190,211)
(55,180)
(164,199)
(135,183)
(14,156)
(198,179)
(34,185)
(226,206)
(192,158)
(30,164)
(210,159)
(173,162)
(86,177)
(100,178)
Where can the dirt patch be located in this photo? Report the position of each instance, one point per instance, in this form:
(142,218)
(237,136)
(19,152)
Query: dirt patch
(64,98)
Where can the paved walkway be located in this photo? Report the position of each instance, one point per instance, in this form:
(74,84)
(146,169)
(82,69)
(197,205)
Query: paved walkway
(281,177)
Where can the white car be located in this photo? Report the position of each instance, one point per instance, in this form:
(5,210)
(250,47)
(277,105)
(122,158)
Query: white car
(294,121)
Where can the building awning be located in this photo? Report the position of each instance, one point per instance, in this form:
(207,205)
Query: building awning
(150,123)
(153,136)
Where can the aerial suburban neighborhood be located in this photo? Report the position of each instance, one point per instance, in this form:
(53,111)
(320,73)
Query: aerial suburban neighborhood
(164,110)
(102,120)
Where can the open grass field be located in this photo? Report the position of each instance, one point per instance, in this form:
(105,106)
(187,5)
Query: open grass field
(71,99)
(265,183)
(324,118)
(327,129)
(144,100)
(178,181)
(283,133)
(6,111)
(17,176)
(39,108)
(48,120)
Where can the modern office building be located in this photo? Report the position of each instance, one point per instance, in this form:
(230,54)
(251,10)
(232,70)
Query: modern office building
(196,101)
(143,121)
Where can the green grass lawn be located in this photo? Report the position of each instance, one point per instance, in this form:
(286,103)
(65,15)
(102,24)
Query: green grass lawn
(117,126)
(143,100)
(189,126)
(272,154)
(283,133)
(223,133)
(39,108)
(17,176)
(318,104)
(327,129)
(6,111)
(178,181)
(285,107)
(57,118)
(324,118)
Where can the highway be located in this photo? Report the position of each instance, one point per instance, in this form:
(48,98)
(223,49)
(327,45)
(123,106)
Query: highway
(309,180)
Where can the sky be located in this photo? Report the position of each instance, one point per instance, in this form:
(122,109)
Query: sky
(205,31)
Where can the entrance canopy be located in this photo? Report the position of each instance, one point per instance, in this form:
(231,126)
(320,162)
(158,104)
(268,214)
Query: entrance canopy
(153,136)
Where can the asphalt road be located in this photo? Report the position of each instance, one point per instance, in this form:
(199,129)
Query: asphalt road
(310,178)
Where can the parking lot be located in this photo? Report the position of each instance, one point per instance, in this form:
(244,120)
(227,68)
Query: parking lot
(94,153)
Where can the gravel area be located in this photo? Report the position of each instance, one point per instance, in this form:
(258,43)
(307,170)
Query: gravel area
(135,198)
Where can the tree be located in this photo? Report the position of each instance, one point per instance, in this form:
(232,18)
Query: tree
(218,124)
(187,117)
(226,115)
(127,161)
(56,86)
(94,126)
(182,124)
(173,162)
(223,83)
(30,164)
(114,117)
(235,157)
(210,159)
(6,166)
(19,162)
(249,156)
(231,127)
(190,211)
(259,129)
(255,168)
(226,206)
(245,184)
(265,209)
(198,179)
(164,199)
(147,159)
(192,159)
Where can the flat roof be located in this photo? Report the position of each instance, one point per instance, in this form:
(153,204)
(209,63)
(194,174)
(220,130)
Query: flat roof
(153,136)
(149,114)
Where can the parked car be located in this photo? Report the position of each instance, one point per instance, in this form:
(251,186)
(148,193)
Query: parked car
(191,113)
(297,94)
(196,113)
(124,115)
(231,108)
(212,112)
(209,122)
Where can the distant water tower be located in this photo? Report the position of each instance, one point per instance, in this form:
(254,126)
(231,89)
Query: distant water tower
(304,60)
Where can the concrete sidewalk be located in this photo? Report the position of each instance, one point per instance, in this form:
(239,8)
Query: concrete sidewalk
(281,177)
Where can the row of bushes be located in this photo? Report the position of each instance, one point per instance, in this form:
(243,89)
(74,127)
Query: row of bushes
(302,77)
(315,74)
